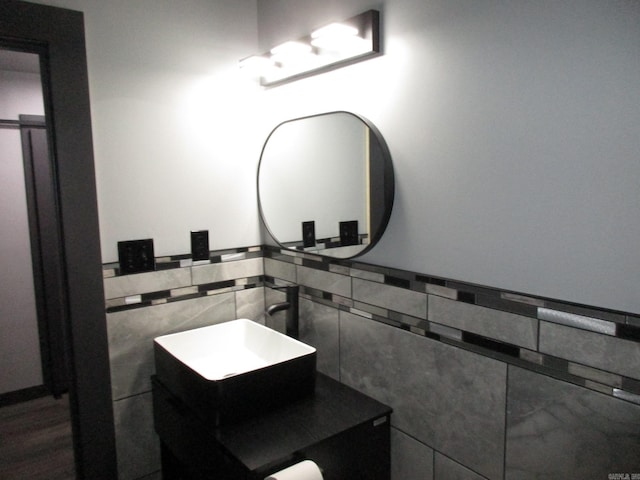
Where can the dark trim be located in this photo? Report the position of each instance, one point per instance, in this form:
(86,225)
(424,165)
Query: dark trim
(382,179)
(23,395)
(57,34)
(46,252)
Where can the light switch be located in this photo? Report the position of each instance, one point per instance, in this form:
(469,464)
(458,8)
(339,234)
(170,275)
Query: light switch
(136,256)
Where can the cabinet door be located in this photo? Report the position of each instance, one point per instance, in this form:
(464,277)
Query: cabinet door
(360,453)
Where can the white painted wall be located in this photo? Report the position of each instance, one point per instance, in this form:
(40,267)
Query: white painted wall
(172,121)
(20,93)
(514,129)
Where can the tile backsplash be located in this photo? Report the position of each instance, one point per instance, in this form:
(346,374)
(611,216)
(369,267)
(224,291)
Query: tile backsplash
(479,378)
(177,296)
(484,383)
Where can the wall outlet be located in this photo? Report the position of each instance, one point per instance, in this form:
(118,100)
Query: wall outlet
(200,245)
(309,234)
(136,256)
(349,233)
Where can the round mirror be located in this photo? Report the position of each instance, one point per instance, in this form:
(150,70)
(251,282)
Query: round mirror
(326,185)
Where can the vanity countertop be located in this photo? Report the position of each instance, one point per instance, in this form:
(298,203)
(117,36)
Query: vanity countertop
(333,409)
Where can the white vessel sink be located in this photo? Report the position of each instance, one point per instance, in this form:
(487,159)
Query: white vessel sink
(230,371)
(232,348)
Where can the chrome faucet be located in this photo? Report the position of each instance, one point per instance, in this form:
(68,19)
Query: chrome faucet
(291,306)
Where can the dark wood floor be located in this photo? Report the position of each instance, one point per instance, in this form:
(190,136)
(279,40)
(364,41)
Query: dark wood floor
(36,441)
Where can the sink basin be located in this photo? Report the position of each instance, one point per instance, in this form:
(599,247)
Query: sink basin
(234,370)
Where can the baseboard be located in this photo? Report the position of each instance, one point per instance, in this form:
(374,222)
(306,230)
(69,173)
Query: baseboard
(23,395)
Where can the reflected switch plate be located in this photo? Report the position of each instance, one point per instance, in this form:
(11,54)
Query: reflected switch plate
(349,233)
(309,234)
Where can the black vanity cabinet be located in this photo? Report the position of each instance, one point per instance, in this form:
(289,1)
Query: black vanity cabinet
(343,431)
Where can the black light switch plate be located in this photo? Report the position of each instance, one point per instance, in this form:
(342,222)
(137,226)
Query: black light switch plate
(309,234)
(136,256)
(349,233)
(200,245)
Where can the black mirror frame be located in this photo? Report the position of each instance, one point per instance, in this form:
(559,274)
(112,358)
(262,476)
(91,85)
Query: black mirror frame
(387,183)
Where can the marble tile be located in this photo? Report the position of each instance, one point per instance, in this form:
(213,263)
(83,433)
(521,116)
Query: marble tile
(153,476)
(608,353)
(325,281)
(220,272)
(447,469)
(137,445)
(341,269)
(504,326)
(126,285)
(410,459)
(131,335)
(319,328)
(394,298)
(442,291)
(367,275)
(448,398)
(559,430)
(595,375)
(250,304)
(283,270)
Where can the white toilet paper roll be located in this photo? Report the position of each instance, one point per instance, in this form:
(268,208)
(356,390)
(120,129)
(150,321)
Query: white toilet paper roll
(305,470)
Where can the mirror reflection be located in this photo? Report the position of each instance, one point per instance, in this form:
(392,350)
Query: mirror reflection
(325,184)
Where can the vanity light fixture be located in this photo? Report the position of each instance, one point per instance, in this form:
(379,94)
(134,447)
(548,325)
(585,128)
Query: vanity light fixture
(256,64)
(289,50)
(337,37)
(329,47)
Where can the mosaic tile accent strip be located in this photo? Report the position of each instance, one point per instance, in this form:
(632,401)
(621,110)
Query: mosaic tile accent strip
(524,307)
(511,343)
(578,321)
(391,297)
(324,280)
(126,285)
(495,324)
(227,271)
(599,351)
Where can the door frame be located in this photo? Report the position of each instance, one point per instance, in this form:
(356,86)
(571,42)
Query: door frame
(46,252)
(59,33)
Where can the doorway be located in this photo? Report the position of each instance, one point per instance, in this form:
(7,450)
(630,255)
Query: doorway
(32,294)
(57,34)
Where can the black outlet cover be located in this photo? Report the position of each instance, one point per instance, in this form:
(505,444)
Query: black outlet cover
(349,233)
(200,245)
(136,256)
(309,234)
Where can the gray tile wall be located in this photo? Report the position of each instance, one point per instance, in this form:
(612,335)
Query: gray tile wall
(483,384)
(559,430)
(447,398)
(410,459)
(600,351)
(504,326)
(131,331)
